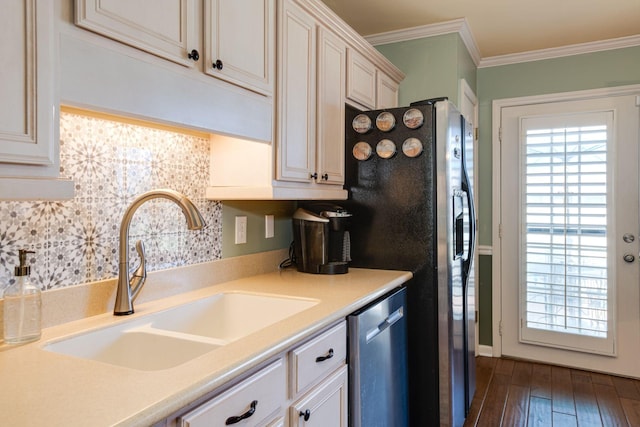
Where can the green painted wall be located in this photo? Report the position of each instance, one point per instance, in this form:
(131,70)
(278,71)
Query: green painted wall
(255,212)
(433,67)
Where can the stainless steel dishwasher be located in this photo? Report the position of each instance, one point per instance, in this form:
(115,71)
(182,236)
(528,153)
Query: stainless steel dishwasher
(378,363)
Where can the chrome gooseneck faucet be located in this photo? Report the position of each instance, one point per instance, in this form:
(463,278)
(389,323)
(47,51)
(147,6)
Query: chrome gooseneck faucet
(128,289)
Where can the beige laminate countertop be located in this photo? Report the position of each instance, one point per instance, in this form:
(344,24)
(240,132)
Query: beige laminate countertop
(39,387)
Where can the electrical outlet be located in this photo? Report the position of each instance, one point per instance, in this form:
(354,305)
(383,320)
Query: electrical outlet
(268,227)
(241,230)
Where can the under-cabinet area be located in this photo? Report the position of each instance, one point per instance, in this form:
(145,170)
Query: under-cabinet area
(299,357)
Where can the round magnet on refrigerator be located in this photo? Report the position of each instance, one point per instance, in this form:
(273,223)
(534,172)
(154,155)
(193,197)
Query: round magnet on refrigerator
(412,147)
(385,121)
(386,148)
(362,151)
(361,123)
(413,118)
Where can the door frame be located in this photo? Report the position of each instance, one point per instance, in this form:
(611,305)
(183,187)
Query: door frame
(496,262)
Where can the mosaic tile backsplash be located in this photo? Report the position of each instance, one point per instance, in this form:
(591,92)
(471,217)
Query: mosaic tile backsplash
(111,163)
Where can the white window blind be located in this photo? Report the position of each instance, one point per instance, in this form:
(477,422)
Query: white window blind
(565,229)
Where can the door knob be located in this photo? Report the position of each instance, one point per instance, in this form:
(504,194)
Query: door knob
(628,257)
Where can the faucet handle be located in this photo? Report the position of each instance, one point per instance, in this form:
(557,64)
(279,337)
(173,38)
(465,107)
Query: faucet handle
(139,273)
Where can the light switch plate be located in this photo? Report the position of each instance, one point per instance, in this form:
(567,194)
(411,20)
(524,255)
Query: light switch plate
(241,230)
(268,227)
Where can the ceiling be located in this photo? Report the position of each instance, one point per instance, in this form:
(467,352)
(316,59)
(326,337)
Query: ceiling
(501,27)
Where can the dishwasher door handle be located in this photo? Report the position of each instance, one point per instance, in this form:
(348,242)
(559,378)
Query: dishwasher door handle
(390,320)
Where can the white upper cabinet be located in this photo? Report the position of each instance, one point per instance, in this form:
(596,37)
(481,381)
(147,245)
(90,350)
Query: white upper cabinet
(240,46)
(29,114)
(386,93)
(361,80)
(312,72)
(166,28)
(27,110)
(330,104)
(368,86)
(297,94)
(238,35)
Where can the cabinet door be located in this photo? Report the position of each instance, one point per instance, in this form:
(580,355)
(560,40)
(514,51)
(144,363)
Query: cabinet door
(387,93)
(325,405)
(361,79)
(330,114)
(167,28)
(297,100)
(28,114)
(240,42)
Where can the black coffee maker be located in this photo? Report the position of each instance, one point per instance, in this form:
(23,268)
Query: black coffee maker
(321,239)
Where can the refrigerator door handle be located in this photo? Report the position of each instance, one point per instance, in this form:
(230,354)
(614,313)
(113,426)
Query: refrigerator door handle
(466,188)
(390,320)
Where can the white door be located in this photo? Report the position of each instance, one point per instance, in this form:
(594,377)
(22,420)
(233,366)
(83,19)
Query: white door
(569,221)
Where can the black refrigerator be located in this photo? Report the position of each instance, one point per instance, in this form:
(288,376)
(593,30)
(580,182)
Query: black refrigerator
(410,180)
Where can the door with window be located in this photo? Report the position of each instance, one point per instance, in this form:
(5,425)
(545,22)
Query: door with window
(570,230)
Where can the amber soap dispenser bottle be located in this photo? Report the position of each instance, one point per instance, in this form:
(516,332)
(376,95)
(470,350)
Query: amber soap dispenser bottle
(22,306)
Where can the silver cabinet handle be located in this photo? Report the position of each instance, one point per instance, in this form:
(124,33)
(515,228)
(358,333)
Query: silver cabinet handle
(628,238)
(628,258)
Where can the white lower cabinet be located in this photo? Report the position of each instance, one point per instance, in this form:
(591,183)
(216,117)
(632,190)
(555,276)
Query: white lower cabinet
(324,405)
(314,393)
(256,401)
(318,380)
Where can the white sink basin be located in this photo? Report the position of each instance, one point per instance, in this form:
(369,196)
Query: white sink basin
(133,348)
(169,338)
(229,316)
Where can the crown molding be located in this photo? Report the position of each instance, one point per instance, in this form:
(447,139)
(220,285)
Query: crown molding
(559,52)
(460,26)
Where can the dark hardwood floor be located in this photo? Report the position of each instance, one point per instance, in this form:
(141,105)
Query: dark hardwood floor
(517,393)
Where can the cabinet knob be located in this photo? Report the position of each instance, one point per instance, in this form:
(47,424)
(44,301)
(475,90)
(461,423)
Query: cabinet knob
(314,175)
(325,177)
(306,414)
(218,64)
(194,55)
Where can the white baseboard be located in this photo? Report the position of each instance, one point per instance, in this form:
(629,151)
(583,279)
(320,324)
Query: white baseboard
(485,350)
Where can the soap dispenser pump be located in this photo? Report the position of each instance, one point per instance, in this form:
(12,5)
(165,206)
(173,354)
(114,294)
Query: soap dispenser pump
(22,306)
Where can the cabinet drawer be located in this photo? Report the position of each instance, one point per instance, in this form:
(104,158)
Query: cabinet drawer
(266,387)
(318,357)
